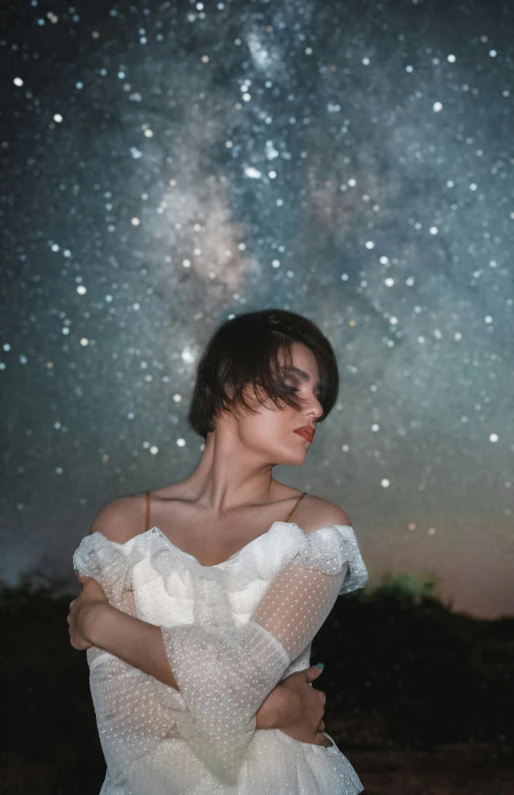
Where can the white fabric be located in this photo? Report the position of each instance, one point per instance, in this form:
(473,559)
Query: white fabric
(231,633)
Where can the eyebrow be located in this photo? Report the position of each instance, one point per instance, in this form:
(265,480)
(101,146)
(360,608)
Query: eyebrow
(300,373)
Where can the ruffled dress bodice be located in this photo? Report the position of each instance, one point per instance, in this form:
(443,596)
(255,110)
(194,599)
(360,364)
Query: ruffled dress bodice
(231,632)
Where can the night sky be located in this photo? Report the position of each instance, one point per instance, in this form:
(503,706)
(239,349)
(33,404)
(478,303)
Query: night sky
(167,165)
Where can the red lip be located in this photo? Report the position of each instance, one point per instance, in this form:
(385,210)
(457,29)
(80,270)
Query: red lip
(307,433)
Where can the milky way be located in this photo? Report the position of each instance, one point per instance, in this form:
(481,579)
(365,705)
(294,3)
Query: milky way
(169,165)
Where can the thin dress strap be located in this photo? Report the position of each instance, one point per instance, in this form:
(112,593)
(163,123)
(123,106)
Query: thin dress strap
(295,505)
(147,518)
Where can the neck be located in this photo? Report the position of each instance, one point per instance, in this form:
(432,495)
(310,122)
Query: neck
(230,475)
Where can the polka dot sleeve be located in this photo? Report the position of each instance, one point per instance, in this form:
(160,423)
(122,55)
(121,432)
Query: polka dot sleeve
(224,674)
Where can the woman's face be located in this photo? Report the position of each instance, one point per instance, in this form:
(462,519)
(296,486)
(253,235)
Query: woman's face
(271,431)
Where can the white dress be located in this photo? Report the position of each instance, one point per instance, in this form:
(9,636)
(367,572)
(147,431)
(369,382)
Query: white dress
(231,632)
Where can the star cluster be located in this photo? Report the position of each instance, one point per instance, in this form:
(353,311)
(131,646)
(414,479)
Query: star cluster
(170,164)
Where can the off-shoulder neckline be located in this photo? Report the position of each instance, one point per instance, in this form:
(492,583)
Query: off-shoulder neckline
(152,530)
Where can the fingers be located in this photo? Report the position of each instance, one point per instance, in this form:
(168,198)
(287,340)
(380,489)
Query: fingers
(71,611)
(322,698)
(312,672)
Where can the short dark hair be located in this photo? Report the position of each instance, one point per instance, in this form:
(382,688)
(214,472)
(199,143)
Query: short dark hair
(244,350)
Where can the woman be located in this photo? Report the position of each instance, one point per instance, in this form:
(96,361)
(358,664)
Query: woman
(200,603)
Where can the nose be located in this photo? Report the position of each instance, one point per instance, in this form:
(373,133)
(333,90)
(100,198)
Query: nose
(316,409)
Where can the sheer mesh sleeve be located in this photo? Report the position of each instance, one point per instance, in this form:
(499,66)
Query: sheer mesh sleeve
(224,674)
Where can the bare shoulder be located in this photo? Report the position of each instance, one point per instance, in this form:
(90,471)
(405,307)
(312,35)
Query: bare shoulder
(317,513)
(121,519)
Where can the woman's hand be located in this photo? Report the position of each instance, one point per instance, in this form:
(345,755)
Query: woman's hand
(296,708)
(81,611)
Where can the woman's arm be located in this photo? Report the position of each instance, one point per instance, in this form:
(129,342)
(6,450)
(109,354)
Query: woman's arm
(136,642)
(94,622)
